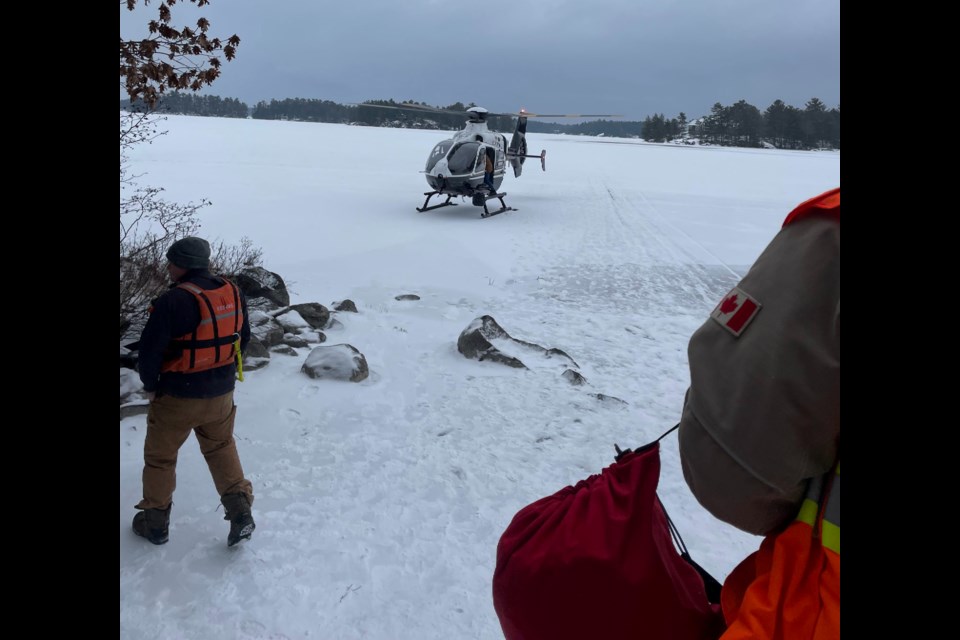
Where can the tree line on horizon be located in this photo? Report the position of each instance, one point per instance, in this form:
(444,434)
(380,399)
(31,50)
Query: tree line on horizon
(740,124)
(743,125)
(190,104)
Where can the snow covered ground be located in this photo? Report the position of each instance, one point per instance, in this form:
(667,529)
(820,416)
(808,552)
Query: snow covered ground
(379,504)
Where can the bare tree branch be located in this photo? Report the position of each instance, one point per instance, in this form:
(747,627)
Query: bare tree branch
(171,58)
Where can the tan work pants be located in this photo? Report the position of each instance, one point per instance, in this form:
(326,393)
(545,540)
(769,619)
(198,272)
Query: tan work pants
(169,423)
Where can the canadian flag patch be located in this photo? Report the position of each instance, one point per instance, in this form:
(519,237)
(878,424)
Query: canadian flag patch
(736,311)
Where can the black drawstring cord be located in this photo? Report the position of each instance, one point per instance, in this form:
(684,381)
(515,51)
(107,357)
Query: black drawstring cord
(623,452)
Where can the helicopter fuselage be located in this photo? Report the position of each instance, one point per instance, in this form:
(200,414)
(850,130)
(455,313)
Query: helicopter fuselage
(456,166)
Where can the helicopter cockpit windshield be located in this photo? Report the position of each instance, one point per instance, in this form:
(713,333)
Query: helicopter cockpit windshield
(463,158)
(439,151)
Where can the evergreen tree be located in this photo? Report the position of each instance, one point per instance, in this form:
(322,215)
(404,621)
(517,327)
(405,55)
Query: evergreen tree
(833,127)
(745,124)
(655,128)
(716,126)
(815,123)
(775,124)
(682,125)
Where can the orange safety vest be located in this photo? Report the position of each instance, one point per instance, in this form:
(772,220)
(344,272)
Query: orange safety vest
(789,589)
(213,342)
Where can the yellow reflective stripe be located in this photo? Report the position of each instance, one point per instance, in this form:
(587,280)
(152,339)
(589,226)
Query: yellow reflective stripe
(808,512)
(830,536)
(189,286)
(239,359)
(229,314)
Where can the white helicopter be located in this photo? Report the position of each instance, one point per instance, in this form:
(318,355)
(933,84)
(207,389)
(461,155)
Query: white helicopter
(474,161)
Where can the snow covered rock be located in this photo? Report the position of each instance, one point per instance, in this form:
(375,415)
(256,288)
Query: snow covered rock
(264,289)
(337,362)
(484,339)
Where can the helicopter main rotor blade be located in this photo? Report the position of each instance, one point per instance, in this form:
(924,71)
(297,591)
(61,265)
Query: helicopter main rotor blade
(428,109)
(409,107)
(520,114)
(525,114)
(388,106)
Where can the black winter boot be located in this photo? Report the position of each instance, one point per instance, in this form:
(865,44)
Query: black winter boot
(237,508)
(153,524)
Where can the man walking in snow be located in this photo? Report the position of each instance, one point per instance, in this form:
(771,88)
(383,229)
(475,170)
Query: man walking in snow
(187,365)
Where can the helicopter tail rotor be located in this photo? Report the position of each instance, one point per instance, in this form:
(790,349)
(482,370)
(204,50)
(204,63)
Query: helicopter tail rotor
(517,151)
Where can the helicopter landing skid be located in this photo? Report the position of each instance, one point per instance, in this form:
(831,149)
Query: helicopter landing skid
(429,195)
(503,206)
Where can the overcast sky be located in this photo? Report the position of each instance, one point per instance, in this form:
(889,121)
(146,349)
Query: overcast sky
(630,57)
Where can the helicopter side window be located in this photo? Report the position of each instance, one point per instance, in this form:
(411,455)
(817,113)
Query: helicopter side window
(438,152)
(481,165)
(463,158)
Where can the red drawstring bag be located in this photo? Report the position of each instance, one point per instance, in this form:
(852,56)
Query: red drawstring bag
(597,560)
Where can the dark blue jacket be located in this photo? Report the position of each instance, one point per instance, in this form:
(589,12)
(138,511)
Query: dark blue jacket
(174,314)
